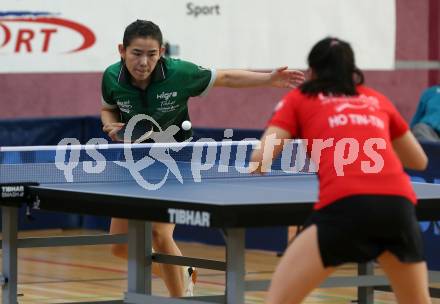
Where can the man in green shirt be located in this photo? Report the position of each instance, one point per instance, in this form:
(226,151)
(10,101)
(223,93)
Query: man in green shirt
(164,97)
(145,82)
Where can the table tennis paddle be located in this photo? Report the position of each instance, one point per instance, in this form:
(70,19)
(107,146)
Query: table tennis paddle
(141,132)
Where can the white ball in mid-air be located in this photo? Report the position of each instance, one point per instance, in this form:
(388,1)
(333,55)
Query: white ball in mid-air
(186,125)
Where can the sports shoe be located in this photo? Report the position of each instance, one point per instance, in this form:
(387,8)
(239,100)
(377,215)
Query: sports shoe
(189,280)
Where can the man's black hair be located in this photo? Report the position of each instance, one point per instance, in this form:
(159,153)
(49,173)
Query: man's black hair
(144,29)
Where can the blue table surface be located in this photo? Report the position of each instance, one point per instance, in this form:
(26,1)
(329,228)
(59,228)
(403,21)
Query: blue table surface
(225,191)
(215,188)
(215,191)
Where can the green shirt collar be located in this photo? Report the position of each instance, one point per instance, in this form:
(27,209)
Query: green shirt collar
(158,74)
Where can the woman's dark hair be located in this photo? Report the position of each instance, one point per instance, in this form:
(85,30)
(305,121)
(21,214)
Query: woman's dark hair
(334,69)
(144,29)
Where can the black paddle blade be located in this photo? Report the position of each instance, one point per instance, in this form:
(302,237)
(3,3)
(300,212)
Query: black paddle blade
(141,132)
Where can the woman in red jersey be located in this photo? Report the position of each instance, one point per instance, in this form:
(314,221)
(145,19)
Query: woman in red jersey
(365,209)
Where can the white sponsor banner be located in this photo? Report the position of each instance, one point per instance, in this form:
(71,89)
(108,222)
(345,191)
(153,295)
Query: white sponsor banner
(82,35)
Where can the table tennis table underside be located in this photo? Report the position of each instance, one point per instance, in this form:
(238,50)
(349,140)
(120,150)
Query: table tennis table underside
(226,213)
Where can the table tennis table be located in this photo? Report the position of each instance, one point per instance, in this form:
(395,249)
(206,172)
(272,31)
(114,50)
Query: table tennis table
(214,197)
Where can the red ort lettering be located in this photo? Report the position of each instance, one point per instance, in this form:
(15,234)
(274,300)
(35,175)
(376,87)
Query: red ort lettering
(24,37)
(47,35)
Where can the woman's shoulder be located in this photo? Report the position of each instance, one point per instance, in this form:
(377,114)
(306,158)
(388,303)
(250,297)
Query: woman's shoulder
(370,92)
(295,94)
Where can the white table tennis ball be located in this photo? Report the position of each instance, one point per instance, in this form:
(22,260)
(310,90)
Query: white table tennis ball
(186,125)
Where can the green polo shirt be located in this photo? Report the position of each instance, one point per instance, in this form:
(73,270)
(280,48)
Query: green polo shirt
(165,99)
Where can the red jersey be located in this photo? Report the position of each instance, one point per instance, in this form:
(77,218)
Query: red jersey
(349,139)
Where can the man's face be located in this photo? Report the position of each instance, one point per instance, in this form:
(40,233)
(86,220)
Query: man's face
(141,57)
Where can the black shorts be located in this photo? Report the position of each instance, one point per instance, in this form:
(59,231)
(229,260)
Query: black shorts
(358,229)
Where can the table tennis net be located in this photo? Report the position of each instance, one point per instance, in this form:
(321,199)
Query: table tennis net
(125,162)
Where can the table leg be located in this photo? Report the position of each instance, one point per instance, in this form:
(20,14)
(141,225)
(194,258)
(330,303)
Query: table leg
(366,294)
(139,257)
(235,265)
(9,254)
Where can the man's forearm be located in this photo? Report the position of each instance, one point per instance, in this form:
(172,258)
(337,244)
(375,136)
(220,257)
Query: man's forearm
(109,116)
(242,79)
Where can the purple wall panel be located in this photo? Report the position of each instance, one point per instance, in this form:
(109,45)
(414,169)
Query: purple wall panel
(235,108)
(402,87)
(42,95)
(251,108)
(434,38)
(412,29)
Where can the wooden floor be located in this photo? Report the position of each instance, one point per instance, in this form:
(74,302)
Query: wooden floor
(90,273)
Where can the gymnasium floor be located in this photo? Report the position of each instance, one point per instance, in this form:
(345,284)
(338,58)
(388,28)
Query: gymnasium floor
(90,273)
